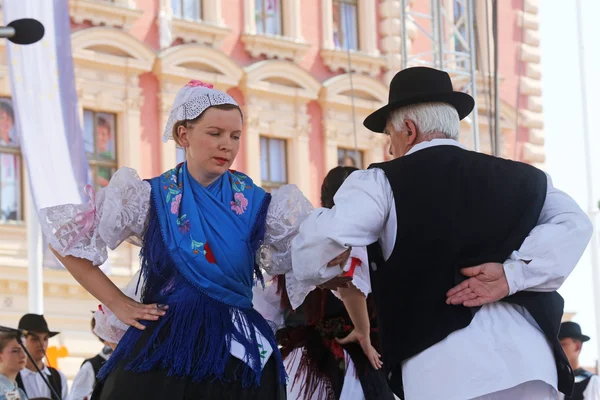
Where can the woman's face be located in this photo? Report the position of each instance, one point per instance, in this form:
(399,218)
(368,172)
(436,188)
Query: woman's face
(212,143)
(12,357)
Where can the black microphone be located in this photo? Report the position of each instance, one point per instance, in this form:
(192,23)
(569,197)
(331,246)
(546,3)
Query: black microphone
(6,329)
(23,31)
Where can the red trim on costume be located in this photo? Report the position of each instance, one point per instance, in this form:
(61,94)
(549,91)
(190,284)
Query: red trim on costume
(355,262)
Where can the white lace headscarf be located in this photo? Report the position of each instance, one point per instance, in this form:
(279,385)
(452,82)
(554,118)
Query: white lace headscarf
(191,101)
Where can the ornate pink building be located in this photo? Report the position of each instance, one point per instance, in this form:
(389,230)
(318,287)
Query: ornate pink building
(286,63)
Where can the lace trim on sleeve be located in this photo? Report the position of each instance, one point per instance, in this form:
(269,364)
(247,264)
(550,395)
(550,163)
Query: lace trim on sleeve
(118,213)
(288,209)
(297,290)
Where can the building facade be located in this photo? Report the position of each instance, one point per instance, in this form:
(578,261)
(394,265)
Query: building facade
(287,63)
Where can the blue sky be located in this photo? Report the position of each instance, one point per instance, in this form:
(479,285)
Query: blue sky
(563,131)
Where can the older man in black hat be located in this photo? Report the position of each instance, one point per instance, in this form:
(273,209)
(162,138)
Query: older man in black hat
(587,385)
(466,252)
(36,341)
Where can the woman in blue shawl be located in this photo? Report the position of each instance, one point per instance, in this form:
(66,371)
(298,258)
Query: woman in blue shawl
(194,333)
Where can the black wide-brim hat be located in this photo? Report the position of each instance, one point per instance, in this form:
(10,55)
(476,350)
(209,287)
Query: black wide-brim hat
(418,85)
(570,329)
(35,323)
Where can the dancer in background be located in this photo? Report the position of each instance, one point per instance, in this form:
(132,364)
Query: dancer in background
(466,252)
(318,363)
(194,334)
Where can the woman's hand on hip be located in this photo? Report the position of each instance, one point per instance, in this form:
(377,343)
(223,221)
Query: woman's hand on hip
(131,312)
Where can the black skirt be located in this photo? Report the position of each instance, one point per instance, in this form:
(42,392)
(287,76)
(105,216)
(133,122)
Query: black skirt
(129,385)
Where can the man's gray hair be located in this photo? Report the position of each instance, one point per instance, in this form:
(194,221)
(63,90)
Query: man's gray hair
(429,118)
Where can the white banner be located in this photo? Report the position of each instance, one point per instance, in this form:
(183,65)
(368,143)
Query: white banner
(39,117)
(47,123)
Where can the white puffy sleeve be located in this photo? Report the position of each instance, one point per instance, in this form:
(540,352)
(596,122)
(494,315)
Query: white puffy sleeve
(288,209)
(115,214)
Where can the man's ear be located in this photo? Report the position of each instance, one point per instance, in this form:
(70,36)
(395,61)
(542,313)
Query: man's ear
(411,130)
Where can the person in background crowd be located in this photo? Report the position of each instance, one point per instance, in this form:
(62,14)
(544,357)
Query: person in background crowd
(36,341)
(312,322)
(85,380)
(12,360)
(587,385)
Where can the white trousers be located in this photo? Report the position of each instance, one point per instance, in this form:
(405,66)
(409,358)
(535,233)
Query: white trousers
(533,390)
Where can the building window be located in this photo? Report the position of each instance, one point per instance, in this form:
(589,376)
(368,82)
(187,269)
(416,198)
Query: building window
(11,201)
(100,145)
(273,162)
(350,158)
(268,17)
(345,24)
(187,9)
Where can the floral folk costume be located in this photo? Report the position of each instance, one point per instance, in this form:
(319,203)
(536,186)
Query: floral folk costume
(198,247)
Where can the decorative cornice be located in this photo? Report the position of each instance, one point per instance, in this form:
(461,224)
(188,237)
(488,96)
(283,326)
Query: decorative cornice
(280,78)
(369,93)
(275,47)
(126,52)
(118,14)
(177,64)
(203,32)
(337,60)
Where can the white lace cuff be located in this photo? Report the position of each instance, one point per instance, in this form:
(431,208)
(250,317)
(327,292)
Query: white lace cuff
(117,213)
(288,209)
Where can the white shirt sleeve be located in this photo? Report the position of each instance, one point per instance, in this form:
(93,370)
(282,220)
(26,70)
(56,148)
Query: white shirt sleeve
(288,208)
(362,207)
(118,212)
(553,248)
(592,391)
(83,384)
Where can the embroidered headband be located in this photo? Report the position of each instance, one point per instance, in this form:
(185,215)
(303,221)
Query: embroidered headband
(191,101)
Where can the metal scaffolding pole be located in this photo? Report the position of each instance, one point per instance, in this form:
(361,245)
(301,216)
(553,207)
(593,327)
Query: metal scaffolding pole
(587,146)
(449,27)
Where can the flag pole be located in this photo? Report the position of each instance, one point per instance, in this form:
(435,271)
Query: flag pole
(35,285)
(591,204)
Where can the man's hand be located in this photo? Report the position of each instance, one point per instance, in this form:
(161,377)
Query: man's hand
(487,284)
(340,260)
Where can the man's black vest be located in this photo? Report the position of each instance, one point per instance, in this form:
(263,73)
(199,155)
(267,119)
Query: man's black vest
(97,362)
(582,380)
(54,380)
(455,209)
